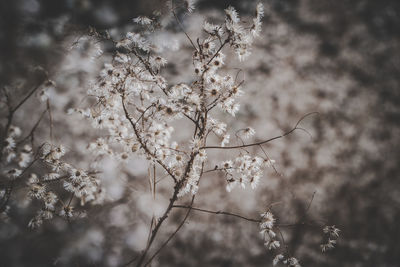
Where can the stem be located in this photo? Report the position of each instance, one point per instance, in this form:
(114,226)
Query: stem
(219,49)
(173,234)
(262,142)
(143,144)
(159,223)
(218,213)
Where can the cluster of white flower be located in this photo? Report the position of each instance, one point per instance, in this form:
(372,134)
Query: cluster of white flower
(134,40)
(271,241)
(135,105)
(247,132)
(331,234)
(244,170)
(82,185)
(20,157)
(266,226)
(288,261)
(240,39)
(143,20)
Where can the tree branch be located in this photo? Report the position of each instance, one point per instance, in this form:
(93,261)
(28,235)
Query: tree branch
(218,213)
(262,142)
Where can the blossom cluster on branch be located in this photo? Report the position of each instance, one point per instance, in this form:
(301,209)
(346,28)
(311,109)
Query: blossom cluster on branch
(135,109)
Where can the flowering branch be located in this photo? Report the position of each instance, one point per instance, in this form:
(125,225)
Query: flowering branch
(137,109)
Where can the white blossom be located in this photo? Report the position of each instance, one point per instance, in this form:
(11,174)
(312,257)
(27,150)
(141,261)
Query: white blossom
(142,20)
(277,259)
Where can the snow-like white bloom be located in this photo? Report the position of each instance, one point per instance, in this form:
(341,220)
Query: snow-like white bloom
(209,45)
(10,156)
(33,178)
(248,132)
(14,131)
(245,170)
(267,220)
(25,157)
(332,234)
(99,147)
(219,128)
(9,143)
(13,173)
(46,214)
(51,176)
(273,244)
(243,52)
(292,262)
(329,245)
(231,185)
(50,199)
(232,15)
(134,40)
(37,190)
(232,108)
(2,193)
(189,5)
(67,211)
(143,20)
(43,94)
(332,230)
(35,222)
(254,180)
(76,175)
(157,62)
(195,143)
(214,30)
(256,27)
(277,259)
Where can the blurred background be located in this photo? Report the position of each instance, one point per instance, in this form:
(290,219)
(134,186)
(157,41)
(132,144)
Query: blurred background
(340,59)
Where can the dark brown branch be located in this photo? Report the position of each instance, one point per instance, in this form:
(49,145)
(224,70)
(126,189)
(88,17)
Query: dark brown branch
(218,213)
(143,145)
(50,119)
(174,198)
(219,49)
(33,128)
(158,224)
(11,112)
(26,97)
(181,26)
(187,116)
(179,226)
(262,142)
(11,187)
(172,235)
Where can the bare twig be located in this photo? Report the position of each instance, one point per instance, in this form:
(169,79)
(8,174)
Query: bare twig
(265,141)
(33,128)
(181,26)
(50,119)
(218,213)
(173,234)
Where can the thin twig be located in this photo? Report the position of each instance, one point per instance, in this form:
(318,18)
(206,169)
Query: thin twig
(181,26)
(262,142)
(33,128)
(139,138)
(50,119)
(219,49)
(172,235)
(218,213)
